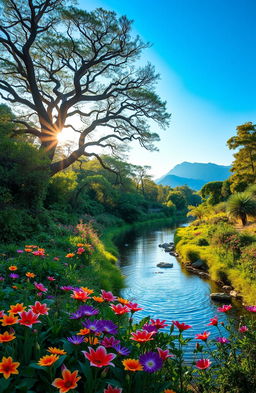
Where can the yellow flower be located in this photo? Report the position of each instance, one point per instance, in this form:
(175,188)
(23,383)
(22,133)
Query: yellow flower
(87,290)
(48,360)
(56,351)
(132,365)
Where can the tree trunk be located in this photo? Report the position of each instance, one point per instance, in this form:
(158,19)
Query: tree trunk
(243,218)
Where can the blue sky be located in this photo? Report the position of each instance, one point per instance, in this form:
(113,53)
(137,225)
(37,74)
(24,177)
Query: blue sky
(205,54)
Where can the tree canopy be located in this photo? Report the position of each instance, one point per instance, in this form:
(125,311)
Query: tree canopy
(68,68)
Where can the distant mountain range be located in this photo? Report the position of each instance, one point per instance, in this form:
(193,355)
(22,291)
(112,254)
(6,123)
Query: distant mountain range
(194,174)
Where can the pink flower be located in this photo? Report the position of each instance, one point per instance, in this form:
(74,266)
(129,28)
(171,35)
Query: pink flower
(164,354)
(108,296)
(158,324)
(203,364)
(40,308)
(214,321)
(133,307)
(222,340)
(40,287)
(203,336)
(28,318)
(119,309)
(99,357)
(251,308)
(243,329)
(56,259)
(224,308)
(111,389)
(181,326)
(51,278)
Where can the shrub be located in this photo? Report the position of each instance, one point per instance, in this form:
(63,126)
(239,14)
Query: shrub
(241,205)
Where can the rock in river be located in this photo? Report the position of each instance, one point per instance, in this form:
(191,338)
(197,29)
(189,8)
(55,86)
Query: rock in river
(164,264)
(221,297)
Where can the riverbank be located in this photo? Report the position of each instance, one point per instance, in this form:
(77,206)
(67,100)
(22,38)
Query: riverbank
(227,256)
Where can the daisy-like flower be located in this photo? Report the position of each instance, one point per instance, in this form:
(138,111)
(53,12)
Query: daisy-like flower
(79,294)
(51,278)
(150,328)
(40,287)
(122,300)
(80,250)
(214,321)
(243,329)
(76,340)
(119,309)
(84,311)
(28,318)
(19,251)
(8,367)
(38,253)
(108,296)
(132,365)
(14,275)
(224,308)
(99,357)
(112,389)
(251,308)
(164,354)
(83,332)
(87,290)
(202,364)
(94,326)
(16,308)
(110,342)
(67,288)
(222,340)
(28,249)
(56,351)
(158,324)
(48,360)
(40,308)
(6,337)
(181,326)
(123,351)
(8,320)
(67,382)
(30,275)
(203,336)
(12,268)
(70,255)
(133,307)
(142,336)
(151,362)
(108,326)
(98,299)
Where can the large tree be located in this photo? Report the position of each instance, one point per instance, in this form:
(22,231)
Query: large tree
(65,67)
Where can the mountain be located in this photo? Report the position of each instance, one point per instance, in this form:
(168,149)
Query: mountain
(194,175)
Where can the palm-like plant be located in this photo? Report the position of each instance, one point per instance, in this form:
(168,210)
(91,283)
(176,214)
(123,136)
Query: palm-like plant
(241,205)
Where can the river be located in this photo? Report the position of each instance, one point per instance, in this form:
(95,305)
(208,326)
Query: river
(170,294)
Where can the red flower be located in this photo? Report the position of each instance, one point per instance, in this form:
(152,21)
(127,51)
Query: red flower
(214,321)
(28,318)
(51,278)
(224,308)
(142,336)
(203,364)
(99,357)
(164,354)
(203,336)
(119,309)
(80,295)
(111,389)
(40,287)
(181,326)
(40,308)
(133,307)
(67,382)
(158,324)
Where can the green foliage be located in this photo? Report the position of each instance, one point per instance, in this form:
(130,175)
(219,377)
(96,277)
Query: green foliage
(212,192)
(177,198)
(241,205)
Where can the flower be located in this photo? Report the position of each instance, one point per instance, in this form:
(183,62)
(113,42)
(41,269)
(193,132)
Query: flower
(56,351)
(122,350)
(83,332)
(203,364)
(76,340)
(88,290)
(222,340)
(91,340)
(6,337)
(108,326)
(51,278)
(38,252)
(203,336)
(67,382)
(110,342)
(214,321)
(243,329)
(56,258)
(80,250)
(119,309)
(8,367)
(122,300)
(164,354)
(9,319)
(14,275)
(149,328)
(67,288)
(99,357)
(83,311)
(111,389)
(98,299)
(1,278)
(80,245)
(181,326)
(79,294)
(19,251)
(108,296)
(132,365)
(13,268)
(28,249)
(16,308)
(151,362)
(224,308)
(40,287)
(30,275)
(70,255)
(48,360)
(40,308)
(133,307)
(169,391)
(142,336)
(251,308)
(158,324)
(28,318)
(1,313)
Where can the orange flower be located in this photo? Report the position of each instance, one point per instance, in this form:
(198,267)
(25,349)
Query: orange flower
(169,391)
(80,295)
(6,337)
(80,245)
(91,340)
(8,367)
(67,382)
(70,255)
(30,275)
(48,360)
(19,307)
(83,332)
(29,246)
(98,299)
(13,268)
(132,365)
(87,290)
(9,319)
(28,249)
(14,287)
(56,351)
(122,300)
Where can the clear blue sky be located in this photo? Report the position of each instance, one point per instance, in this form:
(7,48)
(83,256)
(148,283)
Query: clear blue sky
(205,53)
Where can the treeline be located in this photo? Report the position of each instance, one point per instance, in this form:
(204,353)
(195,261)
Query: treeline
(109,191)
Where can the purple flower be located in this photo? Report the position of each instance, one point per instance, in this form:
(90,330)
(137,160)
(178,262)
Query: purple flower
(1,278)
(14,275)
(87,311)
(67,288)
(95,326)
(149,328)
(109,327)
(19,251)
(251,308)
(76,315)
(122,350)
(110,342)
(76,339)
(151,362)
(50,297)
(222,340)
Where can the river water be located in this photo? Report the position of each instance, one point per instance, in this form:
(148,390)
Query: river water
(170,294)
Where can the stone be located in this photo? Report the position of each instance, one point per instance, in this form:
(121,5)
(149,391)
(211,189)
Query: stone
(199,264)
(227,288)
(164,264)
(221,296)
